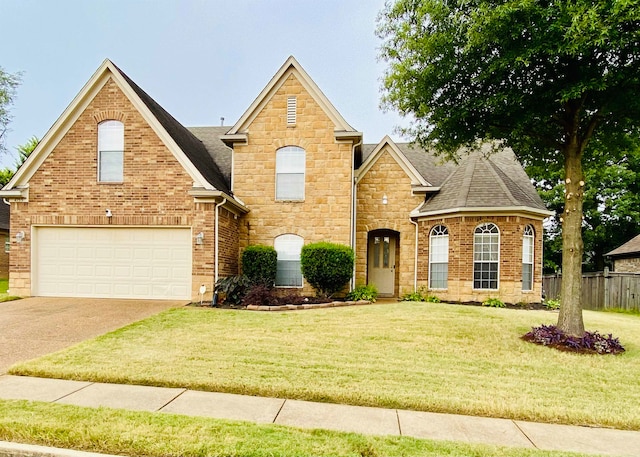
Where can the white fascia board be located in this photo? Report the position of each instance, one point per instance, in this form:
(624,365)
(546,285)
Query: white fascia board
(15,193)
(201,195)
(485,210)
(398,156)
(291,66)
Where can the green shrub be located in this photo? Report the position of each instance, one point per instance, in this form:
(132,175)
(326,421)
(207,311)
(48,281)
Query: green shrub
(494,303)
(552,303)
(234,288)
(328,267)
(364,292)
(433,299)
(259,264)
(413,296)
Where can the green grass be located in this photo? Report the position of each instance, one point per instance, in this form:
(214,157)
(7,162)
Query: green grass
(143,434)
(4,287)
(422,356)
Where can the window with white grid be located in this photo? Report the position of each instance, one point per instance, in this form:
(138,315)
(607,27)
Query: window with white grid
(527,258)
(288,272)
(290,170)
(438,257)
(486,256)
(110,151)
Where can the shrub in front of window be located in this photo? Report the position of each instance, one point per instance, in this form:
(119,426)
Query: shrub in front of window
(367,292)
(328,267)
(259,264)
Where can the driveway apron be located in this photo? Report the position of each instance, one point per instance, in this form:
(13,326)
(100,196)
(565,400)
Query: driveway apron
(36,326)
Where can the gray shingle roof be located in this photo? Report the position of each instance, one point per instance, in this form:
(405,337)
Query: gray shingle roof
(218,150)
(496,181)
(192,147)
(630,247)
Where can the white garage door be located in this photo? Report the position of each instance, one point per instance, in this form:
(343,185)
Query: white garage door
(112,262)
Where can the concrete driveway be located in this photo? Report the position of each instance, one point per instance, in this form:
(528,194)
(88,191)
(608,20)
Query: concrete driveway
(32,327)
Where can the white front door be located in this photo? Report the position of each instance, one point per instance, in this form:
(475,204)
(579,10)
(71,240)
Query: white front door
(382,262)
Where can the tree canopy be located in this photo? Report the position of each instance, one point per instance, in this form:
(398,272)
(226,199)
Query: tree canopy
(543,77)
(8,85)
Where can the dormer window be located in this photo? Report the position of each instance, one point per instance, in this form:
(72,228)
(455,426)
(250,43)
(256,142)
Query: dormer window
(110,151)
(292,106)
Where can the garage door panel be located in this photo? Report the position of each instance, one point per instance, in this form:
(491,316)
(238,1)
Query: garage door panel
(112,262)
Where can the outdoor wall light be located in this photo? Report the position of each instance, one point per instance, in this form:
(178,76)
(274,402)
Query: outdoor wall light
(20,236)
(199,238)
(108,213)
(385,200)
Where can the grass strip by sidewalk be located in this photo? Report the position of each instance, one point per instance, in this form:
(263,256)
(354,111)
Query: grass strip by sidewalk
(427,356)
(143,434)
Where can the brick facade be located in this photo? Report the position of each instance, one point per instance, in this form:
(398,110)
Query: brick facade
(65,190)
(628,265)
(460,280)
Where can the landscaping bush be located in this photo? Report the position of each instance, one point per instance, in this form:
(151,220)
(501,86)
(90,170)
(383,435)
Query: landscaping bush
(328,267)
(364,292)
(494,303)
(233,287)
(420,295)
(260,295)
(551,303)
(259,264)
(590,342)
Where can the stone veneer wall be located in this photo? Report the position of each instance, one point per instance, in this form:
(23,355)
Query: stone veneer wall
(65,191)
(325,213)
(386,177)
(460,281)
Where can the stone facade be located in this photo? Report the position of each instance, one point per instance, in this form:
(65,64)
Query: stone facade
(325,213)
(154,192)
(387,178)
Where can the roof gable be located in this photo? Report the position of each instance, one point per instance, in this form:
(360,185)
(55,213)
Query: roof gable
(240,129)
(185,147)
(388,145)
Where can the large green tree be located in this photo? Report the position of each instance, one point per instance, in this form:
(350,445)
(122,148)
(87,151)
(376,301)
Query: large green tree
(543,77)
(611,205)
(24,151)
(8,84)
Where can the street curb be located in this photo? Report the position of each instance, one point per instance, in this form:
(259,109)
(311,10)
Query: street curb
(8,449)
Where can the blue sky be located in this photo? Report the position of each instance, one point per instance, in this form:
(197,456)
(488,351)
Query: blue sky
(200,59)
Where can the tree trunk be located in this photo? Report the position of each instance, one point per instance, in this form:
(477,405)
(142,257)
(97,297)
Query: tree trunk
(570,318)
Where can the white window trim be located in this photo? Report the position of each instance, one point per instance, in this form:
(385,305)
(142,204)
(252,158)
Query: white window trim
(100,152)
(301,241)
(497,261)
(304,174)
(431,237)
(532,237)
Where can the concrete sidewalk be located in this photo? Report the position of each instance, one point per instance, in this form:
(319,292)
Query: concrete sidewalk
(303,414)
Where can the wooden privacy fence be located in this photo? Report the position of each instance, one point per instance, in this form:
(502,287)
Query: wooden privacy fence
(601,290)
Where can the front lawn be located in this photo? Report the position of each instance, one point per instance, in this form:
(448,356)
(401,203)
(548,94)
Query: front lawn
(423,356)
(4,287)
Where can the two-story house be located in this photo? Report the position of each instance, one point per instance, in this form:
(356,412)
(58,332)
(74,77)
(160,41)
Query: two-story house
(121,200)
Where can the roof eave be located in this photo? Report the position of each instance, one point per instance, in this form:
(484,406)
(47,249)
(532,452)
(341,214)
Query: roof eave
(231,139)
(201,195)
(542,213)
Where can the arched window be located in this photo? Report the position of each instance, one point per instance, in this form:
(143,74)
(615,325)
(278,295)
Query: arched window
(438,257)
(486,256)
(110,151)
(527,258)
(290,170)
(288,273)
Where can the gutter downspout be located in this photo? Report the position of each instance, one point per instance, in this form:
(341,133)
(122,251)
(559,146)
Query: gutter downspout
(353,209)
(415,260)
(215,274)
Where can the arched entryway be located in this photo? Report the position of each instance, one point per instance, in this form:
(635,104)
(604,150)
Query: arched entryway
(383,255)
